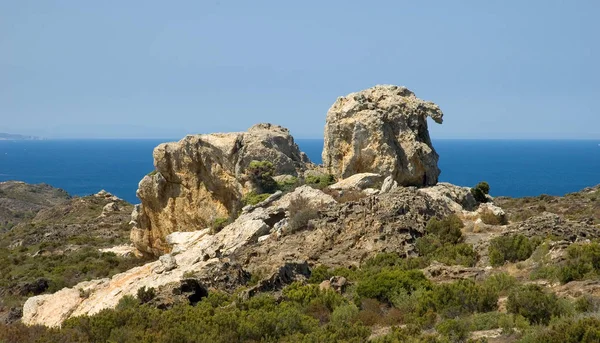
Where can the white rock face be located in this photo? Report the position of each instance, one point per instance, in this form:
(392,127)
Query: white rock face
(358,181)
(458,198)
(202,178)
(314,196)
(388,184)
(382,130)
(196,252)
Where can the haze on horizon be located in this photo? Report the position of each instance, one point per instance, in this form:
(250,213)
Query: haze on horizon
(146,69)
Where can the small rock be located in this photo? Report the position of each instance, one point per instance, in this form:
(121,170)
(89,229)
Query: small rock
(263,238)
(388,184)
(168,263)
(325,285)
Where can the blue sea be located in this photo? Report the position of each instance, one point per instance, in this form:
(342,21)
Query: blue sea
(512,167)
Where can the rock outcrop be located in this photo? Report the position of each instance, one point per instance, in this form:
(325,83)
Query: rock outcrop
(201,178)
(343,234)
(382,130)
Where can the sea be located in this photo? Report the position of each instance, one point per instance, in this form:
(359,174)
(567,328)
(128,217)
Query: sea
(513,168)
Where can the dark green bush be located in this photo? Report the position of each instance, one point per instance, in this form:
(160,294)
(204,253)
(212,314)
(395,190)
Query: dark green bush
(511,248)
(582,261)
(454,330)
(443,242)
(288,184)
(480,190)
(568,330)
(461,297)
(387,283)
(261,175)
(252,198)
(533,303)
(145,295)
(319,274)
(447,229)
(319,181)
(218,224)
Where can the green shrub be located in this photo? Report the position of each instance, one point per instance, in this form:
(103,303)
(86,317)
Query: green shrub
(261,175)
(568,330)
(385,284)
(145,295)
(533,303)
(447,229)
(582,261)
(587,304)
(480,190)
(319,274)
(253,198)
(319,181)
(511,248)
(456,254)
(501,282)
(454,330)
(461,297)
(442,242)
(218,224)
(152,173)
(288,184)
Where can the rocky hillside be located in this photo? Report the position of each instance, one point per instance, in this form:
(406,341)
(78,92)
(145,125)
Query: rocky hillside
(258,244)
(20,201)
(61,242)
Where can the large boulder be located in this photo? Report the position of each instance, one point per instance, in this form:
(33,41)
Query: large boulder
(202,178)
(382,130)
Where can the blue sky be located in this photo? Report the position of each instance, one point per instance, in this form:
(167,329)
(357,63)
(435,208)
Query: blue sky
(157,69)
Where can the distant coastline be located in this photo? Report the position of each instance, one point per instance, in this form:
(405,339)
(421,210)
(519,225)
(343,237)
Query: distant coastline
(16,137)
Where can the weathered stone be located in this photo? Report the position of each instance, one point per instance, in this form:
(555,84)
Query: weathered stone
(314,196)
(202,178)
(552,225)
(388,184)
(440,272)
(457,197)
(358,181)
(382,130)
(168,263)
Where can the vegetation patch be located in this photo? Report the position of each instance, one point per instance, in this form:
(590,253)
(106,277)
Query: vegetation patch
(480,191)
(320,181)
(301,213)
(512,248)
(443,242)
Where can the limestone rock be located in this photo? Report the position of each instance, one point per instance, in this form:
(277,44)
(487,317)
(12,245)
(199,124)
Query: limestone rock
(346,234)
(388,184)
(382,130)
(457,197)
(201,178)
(315,197)
(168,263)
(442,273)
(358,181)
(199,253)
(495,210)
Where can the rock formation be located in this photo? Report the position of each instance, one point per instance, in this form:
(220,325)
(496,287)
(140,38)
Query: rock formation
(382,130)
(201,178)
(346,234)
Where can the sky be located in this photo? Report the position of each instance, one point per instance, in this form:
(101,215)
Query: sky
(157,69)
